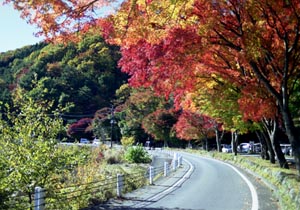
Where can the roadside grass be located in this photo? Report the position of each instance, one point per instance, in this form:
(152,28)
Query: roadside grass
(283,182)
(94,181)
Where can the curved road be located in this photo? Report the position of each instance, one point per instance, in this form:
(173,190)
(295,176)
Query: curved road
(212,185)
(202,184)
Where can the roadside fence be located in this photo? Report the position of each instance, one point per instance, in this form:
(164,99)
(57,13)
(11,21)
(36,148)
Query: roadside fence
(92,192)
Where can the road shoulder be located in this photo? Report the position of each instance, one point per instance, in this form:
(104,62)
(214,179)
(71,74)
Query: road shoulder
(149,194)
(266,197)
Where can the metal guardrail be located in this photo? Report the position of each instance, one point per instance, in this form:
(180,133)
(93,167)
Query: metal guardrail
(48,198)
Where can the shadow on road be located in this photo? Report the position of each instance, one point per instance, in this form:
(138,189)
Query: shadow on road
(118,206)
(132,208)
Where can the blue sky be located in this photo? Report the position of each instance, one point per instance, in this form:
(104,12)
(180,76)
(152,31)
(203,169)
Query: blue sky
(15,32)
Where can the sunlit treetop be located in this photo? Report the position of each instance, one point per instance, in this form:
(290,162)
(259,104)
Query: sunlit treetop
(149,20)
(60,20)
(237,40)
(63,20)
(168,44)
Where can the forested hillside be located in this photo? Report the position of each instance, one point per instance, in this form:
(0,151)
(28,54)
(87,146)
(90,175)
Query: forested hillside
(79,78)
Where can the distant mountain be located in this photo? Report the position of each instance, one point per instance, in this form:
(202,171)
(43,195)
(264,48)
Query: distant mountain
(82,76)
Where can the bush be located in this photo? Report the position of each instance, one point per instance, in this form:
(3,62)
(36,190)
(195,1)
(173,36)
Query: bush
(137,155)
(114,156)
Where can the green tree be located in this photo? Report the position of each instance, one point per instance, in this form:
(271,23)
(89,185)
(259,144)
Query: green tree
(84,74)
(159,124)
(137,103)
(28,143)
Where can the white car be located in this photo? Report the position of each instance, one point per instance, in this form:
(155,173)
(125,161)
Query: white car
(286,149)
(244,148)
(96,141)
(226,148)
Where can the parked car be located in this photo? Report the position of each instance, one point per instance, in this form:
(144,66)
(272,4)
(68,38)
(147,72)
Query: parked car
(226,148)
(257,148)
(96,141)
(286,149)
(291,152)
(244,148)
(84,141)
(149,145)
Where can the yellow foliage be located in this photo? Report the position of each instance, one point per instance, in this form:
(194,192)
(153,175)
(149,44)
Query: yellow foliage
(140,20)
(127,141)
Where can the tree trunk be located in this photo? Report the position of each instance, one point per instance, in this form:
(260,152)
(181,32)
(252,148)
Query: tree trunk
(165,143)
(267,155)
(218,139)
(272,128)
(293,137)
(204,144)
(234,139)
(280,156)
(264,147)
(270,148)
(282,99)
(189,145)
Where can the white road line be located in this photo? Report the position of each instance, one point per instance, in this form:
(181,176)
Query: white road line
(251,187)
(255,203)
(171,188)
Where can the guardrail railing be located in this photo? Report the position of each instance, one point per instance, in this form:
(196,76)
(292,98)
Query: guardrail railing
(43,198)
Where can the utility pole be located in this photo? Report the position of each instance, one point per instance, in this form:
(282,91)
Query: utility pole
(112,121)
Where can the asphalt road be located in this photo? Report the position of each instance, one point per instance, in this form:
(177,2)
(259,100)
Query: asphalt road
(212,185)
(200,184)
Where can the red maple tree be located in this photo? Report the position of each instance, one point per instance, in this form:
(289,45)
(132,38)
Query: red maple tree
(194,126)
(173,43)
(80,129)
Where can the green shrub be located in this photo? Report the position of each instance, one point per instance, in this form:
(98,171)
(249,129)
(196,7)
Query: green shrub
(137,155)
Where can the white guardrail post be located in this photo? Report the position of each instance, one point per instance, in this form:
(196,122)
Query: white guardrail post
(39,198)
(151,174)
(166,169)
(175,161)
(120,183)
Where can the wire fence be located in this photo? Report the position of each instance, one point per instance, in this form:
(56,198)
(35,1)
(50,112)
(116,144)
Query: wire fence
(89,193)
